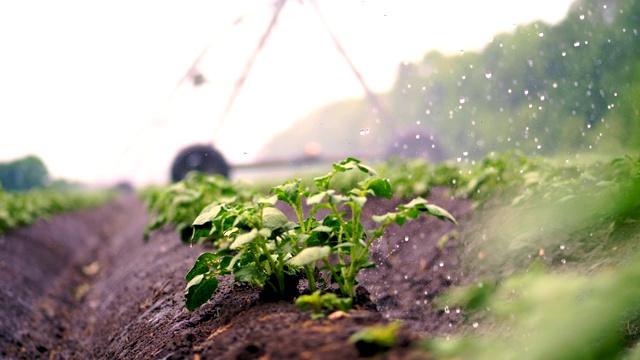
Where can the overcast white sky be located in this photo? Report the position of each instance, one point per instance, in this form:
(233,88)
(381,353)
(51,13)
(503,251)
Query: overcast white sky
(89,86)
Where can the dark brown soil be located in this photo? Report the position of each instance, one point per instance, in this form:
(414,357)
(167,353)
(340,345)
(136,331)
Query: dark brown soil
(85,285)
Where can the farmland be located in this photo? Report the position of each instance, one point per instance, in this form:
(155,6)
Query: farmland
(535,240)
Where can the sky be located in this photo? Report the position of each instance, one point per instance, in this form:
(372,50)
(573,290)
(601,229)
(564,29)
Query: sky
(94,88)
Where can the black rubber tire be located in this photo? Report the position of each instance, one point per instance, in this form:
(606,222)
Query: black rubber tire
(202,158)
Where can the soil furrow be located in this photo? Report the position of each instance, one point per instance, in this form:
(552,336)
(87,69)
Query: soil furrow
(86,285)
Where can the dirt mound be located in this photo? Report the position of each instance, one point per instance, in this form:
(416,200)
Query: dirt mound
(85,285)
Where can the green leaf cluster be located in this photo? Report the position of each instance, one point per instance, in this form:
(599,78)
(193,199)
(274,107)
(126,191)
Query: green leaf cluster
(257,243)
(177,205)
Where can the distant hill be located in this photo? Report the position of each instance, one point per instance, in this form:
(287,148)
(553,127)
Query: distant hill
(542,89)
(331,131)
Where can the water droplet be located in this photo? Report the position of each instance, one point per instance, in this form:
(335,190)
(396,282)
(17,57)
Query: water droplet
(487,74)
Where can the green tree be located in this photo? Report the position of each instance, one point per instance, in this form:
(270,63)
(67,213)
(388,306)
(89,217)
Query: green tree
(24,174)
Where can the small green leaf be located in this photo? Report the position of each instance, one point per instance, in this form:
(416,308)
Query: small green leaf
(440,213)
(413,203)
(200,232)
(322,228)
(310,255)
(249,274)
(244,239)
(367,169)
(400,219)
(323,181)
(272,200)
(207,214)
(202,265)
(199,290)
(288,192)
(265,233)
(318,198)
(383,218)
(380,187)
(358,200)
(273,218)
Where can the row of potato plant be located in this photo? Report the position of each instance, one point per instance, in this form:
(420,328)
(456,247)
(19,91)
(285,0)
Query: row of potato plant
(256,242)
(23,208)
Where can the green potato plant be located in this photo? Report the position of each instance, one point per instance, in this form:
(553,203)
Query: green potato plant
(258,244)
(375,339)
(320,303)
(340,232)
(23,208)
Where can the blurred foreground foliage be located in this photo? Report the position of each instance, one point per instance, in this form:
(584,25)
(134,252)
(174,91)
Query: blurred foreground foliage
(560,268)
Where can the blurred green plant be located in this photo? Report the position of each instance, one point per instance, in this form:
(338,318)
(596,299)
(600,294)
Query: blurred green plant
(584,309)
(178,204)
(23,208)
(376,339)
(320,303)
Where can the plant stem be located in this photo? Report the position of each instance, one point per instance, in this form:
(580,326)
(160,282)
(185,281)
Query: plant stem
(310,278)
(276,269)
(332,270)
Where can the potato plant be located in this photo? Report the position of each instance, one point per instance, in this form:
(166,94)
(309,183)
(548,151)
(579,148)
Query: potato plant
(23,208)
(258,244)
(177,205)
